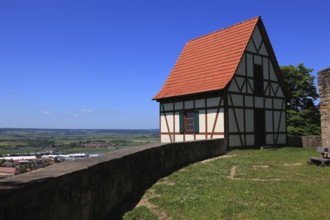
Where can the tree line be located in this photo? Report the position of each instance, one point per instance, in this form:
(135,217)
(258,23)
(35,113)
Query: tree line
(303,115)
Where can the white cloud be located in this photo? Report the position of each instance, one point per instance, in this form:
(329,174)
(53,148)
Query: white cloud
(75,115)
(45,112)
(86,110)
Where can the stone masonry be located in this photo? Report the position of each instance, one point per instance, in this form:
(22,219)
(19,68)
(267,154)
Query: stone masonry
(98,188)
(324,88)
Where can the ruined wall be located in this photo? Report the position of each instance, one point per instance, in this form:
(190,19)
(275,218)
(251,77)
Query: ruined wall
(305,141)
(324,88)
(95,188)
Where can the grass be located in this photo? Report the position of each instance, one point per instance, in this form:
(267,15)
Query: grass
(141,213)
(252,184)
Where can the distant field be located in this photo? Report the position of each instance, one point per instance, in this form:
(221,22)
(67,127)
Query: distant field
(248,184)
(70,140)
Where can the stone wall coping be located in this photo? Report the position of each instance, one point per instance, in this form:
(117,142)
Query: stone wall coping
(59,169)
(98,188)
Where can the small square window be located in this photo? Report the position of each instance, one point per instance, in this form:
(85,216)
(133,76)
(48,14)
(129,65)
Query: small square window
(189,122)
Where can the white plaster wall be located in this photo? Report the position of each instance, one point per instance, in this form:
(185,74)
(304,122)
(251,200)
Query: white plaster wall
(240,119)
(178,105)
(241,67)
(169,117)
(240,82)
(163,127)
(269,139)
(218,136)
(202,121)
(281,139)
(220,125)
(249,139)
(213,101)
(257,37)
(251,47)
(237,100)
(251,86)
(200,103)
(234,141)
(177,122)
(188,104)
(168,106)
(200,136)
(275,86)
(189,137)
(259,102)
(265,68)
(269,121)
(249,101)
(276,119)
(211,114)
(271,93)
(179,138)
(272,73)
(249,120)
(249,65)
(266,88)
(243,88)
(233,86)
(258,60)
(278,103)
(263,50)
(165,138)
(232,122)
(280,93)
(268,103)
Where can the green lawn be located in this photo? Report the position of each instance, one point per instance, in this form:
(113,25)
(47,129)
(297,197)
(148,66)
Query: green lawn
(250,184)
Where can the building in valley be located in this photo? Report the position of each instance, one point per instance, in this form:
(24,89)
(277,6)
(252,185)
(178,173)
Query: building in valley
(226,84)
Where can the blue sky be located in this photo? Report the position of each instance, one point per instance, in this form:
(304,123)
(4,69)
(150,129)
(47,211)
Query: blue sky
(97,64)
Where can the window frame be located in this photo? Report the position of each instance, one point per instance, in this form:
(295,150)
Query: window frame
(189,119)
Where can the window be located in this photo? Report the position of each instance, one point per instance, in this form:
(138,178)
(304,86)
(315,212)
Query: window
(258,80)
(189,122)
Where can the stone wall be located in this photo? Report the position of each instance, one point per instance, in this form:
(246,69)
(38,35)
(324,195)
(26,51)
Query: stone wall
(305,141)
(97,188)
(311,141)
(294,141)
(324,88)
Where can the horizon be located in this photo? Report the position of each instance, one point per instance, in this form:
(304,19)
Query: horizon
(97,65)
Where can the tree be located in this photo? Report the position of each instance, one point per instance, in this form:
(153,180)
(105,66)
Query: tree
(303,116)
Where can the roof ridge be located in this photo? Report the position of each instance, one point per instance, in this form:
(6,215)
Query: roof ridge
(257,17)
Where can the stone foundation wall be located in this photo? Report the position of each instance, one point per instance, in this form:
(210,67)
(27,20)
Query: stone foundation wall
(311,141)
(324,88)
(96,188)
(305,141)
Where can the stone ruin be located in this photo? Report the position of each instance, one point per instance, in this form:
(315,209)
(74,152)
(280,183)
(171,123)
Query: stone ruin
(324,88)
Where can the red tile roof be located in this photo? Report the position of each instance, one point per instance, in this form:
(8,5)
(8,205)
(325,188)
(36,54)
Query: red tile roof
(208,63)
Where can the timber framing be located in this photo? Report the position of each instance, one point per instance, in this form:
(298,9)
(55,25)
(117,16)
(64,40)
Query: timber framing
(249,110)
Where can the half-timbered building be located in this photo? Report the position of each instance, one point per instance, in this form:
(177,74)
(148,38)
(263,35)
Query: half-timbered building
(226,84)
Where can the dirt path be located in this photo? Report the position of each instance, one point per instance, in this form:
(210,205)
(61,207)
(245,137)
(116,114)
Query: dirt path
(216,158)
(233,172)
(161,214)
(150,193)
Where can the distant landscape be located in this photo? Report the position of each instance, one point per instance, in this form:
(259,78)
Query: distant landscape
(18,141)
